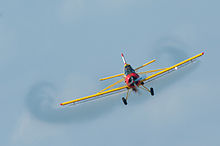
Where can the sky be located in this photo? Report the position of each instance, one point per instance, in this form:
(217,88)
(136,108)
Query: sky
(55,51)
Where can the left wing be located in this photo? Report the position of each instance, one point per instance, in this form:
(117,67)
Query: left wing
(172,68)
(90,97)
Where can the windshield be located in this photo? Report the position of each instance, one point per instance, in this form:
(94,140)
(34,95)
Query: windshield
(128,70)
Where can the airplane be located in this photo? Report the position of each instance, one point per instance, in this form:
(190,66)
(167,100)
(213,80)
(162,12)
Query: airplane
(133,80)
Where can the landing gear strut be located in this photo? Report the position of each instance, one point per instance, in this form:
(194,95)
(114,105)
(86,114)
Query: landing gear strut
(151,90)
(125,99)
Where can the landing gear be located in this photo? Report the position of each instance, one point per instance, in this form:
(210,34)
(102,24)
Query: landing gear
(124,101)
(152,91)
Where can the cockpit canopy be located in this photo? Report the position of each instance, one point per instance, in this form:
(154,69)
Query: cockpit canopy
(128,70)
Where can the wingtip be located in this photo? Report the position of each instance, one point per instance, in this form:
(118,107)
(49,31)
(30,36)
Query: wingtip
(203,53)
(61,104)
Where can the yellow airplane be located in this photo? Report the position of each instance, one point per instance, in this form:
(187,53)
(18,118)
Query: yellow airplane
(133,80)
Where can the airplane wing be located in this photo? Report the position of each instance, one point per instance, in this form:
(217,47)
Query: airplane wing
(172,68)
(95,96)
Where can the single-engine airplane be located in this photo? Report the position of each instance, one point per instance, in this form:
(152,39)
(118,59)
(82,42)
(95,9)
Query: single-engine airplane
(133,80)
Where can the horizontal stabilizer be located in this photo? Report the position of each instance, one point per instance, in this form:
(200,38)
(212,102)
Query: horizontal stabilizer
(145,64)
(118,75)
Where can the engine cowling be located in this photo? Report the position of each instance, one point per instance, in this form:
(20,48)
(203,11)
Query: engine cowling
(130,80)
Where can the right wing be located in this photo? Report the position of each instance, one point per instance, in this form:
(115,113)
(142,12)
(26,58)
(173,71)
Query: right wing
(94,96)
(172,68)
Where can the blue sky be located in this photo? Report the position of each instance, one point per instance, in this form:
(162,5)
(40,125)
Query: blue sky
(54,51)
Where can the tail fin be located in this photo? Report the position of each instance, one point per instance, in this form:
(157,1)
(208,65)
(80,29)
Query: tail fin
(123,58)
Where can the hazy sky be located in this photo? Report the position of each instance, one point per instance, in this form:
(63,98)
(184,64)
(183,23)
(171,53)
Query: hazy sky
(54,51)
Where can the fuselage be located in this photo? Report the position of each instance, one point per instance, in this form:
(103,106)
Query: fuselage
(131,77)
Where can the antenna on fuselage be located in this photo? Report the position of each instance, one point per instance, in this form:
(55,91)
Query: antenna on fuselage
(123,58)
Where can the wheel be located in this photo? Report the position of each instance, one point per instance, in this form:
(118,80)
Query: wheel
(124,101)
(152,91)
